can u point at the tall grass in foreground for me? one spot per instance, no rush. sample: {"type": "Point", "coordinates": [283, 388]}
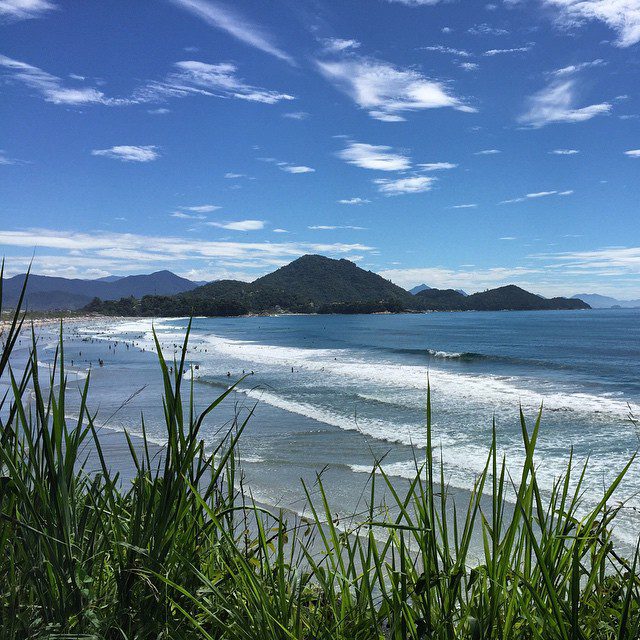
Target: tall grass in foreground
{"type": "Point", "coordinates": [181, 553]}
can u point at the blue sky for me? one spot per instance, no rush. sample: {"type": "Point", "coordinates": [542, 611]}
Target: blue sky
{"type": "Point", "coordinates": [458, 143]}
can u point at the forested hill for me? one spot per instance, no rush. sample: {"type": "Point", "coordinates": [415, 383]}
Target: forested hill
{"type": "Point", "coordinates": [508, 298]}
{"type": "Point", "coordinates": [316, 284]}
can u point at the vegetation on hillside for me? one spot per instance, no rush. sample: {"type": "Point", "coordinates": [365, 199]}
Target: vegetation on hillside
{"type": "Point", "coordinates": [181, 552]}
{"type": "Point", "coordinates": [316, 284]}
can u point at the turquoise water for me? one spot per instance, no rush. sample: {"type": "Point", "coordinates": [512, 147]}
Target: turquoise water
{"type": "Point", "coordinates": [341, 390]}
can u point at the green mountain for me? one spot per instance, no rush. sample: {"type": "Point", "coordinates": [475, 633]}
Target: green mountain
{"type": "Point", "coordinates": [316, 284]}
{"type": "Point", "coordinates": [508, 298]}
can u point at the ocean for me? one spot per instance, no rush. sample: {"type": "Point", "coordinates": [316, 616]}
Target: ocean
{"type": "Point", "coordinates": [334, 393]}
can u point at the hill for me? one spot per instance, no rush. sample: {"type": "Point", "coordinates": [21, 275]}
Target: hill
{"type": "Point", "coordinates": [45, 293]}
{"type": "Point", "coordinates": [316, 284]}
{"type": "Point", "coordinates": [508, 298]}
{"type": "Point", "coordinates": [310, 284]}
{"type": "Point", "coordinates": [316, 281]}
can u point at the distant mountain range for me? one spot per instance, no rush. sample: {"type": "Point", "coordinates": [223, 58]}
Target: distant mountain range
{"type": "Point", "coordinates": [418, 288]}
{"type": "Point", "coordinates": [316, 284]}
{"type": "Point", "coordinates": [45, 293]}
{"type": "Point", "coordinates": [423, 287]}
{"type": "Point", "coordinates": [596, 301]}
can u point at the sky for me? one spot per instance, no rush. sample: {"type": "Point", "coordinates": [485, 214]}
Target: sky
{"type": "Point", "coordinates": [459, 143]}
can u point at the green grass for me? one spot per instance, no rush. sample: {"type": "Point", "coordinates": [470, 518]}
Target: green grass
{"type": "Point", "coordinates": [181, 552]}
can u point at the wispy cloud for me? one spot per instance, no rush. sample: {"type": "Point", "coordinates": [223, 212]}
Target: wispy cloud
{"type": "Point", "coordinates": [395, 187]}
{"type": "Point", "coordinates": [296, 115]}
{"type": "Point", "coordinates": [336, 45]}
{"type": "Point", "coordinates": [239, 225]}
{"type": "Point", "coordinates": [555, 103]}
{"type": "Point", "coordinates": [633, 153]}
{"type": "Point", "coordinates": [295, 168]}
{"type": "Point", "coordinates": [333, 227]}
{"type": "Point", "coordinates": [564, 152]}
{"type": "Point", "coordinates": [538, 194]}
{"type": "Point", "coordinates": [487, 152]}
{"type": "Point", "coordinates": [437, 166]}
{"type": "Point", "coordinates": [202, 208]}
{"type": "Point", "coordinates": [485, 29]}
{"type": "Point", "coordinates": [7, 160]}
{"type": "Point", "coordinates": [416, 3]}
{"type": "Point", "coordinates": [224, 18]}
{"type": "Point", "coordinates": [51, 87]}
{"type": "Point", "coordinates": [130, 252]}
{"type": "Point", "coordinates": [575, 68]}
{"type": "Point", "coordinates": [469, 66]}
{"type": "Point", "coordinates": [462, 53]}
{"type": "Point", "coordinates": [354, 201]}
{"type": "Point", "coordinates": [386, 91]}
{"type": "Point", "coordinates": [464, 206]}
{"type": "Point", "coordinates": [500, 52]}
{"type": "Point", "coordinates": [192, 77]}
{"type": "Point", "coordinates": [377, 157]}
{"type": "Point", "coordinates": [187, 216]}
{"type": "Point", "coordinates": [623, 16]}
{"type": "Point", "coordinates": [25, 9]}
{"type": "Point", "coordinates": [129, 153]}
{"type": "Point", "coordinates": [189, 77]}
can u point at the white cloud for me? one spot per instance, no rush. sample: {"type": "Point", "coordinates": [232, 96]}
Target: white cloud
{"type": "Point", "coordinates": [485, 29]}
{"type": "Point", "coordinates": [469, 66]}
{"type": "Point", "coordinates": [377, 157]}
{"type": "Point", "coordinates": [416, 3]}
{"type": "Point", "coordinates": [296, 115]}
{"type": "Point", "coordinates": [615, 260]}
{"type": "Point", "coordinates": [25, 9]}
{"type": "Point", "coordinates": [6, 160]}
{"type": "Point", "coordinates": [202, 208]}
{"type": "Point", "coordinates": [464, 206]}
{"type": "Point", "coordinates": [386, 91]}
{"type": "Point", "coordinates": [564, 152]}
{"type": "Point", "coordinates": [487, 152]}
{"type": "Point", "coordinates": [232, 176]}
{"type": "Point", "coordinates": [633, 153]}
{"type": "Point", "coordinates": [354, 201]}
{"type": "Point", "coordinates": [192, 77]}
{"type": "Point", "coordinates": [292, 168]}
{"type": "Point", "coordinates": [499, 52]}
{"type": "Point", "coordinates": [189, 77]}
{"type": "Point", "coordinates": [330, 227]}
{"type": "Point", "coordinates": [187, 216]}
{"type": "Point", "coordinates": [129, 252]}
{"type": "Point", "coordinates": [469, 280]}
{"type": "Point", "coordinates": [223, 18]}
{"type": "Point", "coordinates": [538, 194]}
{"type": "Point", "coordinates": [437, 166]}
{"type": "Point", "coordinates": [159, 112]}
{"type": "Point", "coordinates": [129, 153]}
{"type": "Point", "coordinates": [336, 45]}
{"type": "Point", "coordinates": [554, 104]}
{"type": "Point", "coordinates": [623, 16]}
{"type": "Point", "coordinates": [575, 68]}
{"type": "Point", "coordinates": [239, 225]}
{"type": "Point", "coordinates": [280, 231]}
{"type": "Point", "coordinates": [50, 86]}
{"type": "Point", "coordinates": [450, 50]}
{"type": "Point", "coordinates": [415, 184]}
